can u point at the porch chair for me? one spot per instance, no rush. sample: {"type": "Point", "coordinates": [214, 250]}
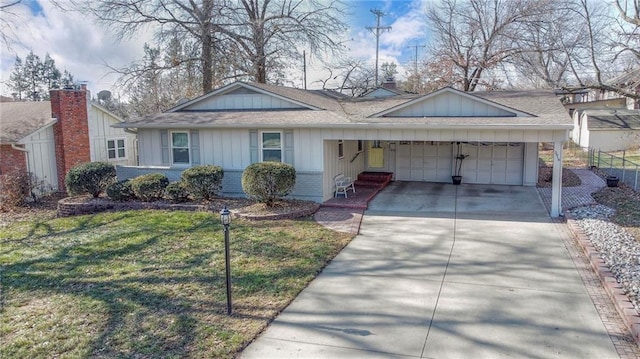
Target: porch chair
{"type": "Point", "coordinates": [343, 184]}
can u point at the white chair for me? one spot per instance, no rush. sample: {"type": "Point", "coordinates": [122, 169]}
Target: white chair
{"type": "Point", "coordinates": [343, 184]}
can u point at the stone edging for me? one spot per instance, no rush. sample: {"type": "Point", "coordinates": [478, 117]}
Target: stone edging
{"type": "Point", "coordinates": [311, 209]}
{"type": "Point", "coordinates": [620, 300]}
{"type": "Point", "coordinates": [70, 206]}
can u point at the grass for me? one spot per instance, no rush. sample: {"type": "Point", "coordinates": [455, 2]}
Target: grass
{"type": "Point", "coordinates": [146, 284]}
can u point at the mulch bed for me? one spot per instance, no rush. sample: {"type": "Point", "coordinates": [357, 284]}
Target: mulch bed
{"type": "Point", "coordinates": [569, 179]}
{"type": "Point", "coordinates": [240, 207]}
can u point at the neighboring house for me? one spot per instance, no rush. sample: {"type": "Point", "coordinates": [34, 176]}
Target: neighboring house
{"type": "Point", "coordinates": [382, 92]}
{"type": "Point", "coordinates": [414, 137]}
{"type": "Point", "coordinates": [606, 129]}
{"type": "Point", "coordinates": [47, 138]}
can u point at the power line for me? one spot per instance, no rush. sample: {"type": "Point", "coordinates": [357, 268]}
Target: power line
{"type": "Point", "coordinates": [378, 31]}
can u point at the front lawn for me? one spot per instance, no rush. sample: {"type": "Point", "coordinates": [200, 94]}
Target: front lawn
{"type": "Point", "coordinates": [147, 284]}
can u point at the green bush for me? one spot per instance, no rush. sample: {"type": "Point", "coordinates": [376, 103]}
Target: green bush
{"type": "Point", "coordinates": [203, 182]}
{"type": "Point", "coordinates": [176, 192]}
{"type": "Point", "coordinates": [267, 181]}
{"type": "Point", "coordinates": [90, 177]}
{"type": "Point", "coordinates": [121, 191]}
{"type": "Point", "coordinates": [150, 187]}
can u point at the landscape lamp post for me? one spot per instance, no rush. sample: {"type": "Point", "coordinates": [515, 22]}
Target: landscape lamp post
{"type": "Point", "coordinates": [225, 219]}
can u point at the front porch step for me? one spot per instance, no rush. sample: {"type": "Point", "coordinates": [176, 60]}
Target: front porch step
{"type": "Point", "coordinates": [373, 179]}
{"type": "Point", "coordinates": [370, 184]}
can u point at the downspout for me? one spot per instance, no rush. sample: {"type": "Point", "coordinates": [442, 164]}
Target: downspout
{"type": "Point", "coordinates": [26, 160]}
{"type": "Point", "coordinates": [26, 154]}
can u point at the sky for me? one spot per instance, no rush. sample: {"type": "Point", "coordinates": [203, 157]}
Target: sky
{"type": "Point", "coordinates": [87, 50]}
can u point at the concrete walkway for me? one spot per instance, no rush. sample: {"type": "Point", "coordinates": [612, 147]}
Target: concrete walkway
{"type": "Point", "coordinates": [457, 272]}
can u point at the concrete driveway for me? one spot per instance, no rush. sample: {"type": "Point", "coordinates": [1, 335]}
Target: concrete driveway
{"type": "Point", "coordinates": [443, 271]}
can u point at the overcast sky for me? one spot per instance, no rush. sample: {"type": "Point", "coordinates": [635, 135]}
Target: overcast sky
{"type": "Point", "coordinates": [82, 47]}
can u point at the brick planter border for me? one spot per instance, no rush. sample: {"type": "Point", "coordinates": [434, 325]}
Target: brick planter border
{"type": "Point", "coordinates": [621, 301]}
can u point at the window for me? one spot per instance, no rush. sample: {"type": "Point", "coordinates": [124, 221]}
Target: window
{"type": "Point", "coordinates": [360, 145]}
{"type": "Point", "coordinates": [116, 149]}
{"type": "Point", "coordinates": [180, 148]}
{"type": "Point", "coordinates": [271, 146]}
{"type": "Point", "coordinates": [340, 148]}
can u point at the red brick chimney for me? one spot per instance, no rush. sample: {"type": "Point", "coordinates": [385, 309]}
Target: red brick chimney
{"type": "Point", "coordinates": [71, 132]}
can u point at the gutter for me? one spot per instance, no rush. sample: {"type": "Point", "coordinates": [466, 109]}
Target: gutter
{"type": "Point", "coordinates": [353, 126]}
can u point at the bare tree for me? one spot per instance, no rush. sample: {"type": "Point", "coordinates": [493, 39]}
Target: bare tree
{"type": "Point", "coordinates": [349, 76]}
{"type": "Point", "coordinates": [474, 36]}
{"type": "Point", "coordinates": [551, 42]}
{"type": "Point", "coordinates": [266, 31]}
{"type": "Point", "coordinates": [9, 16]}
{"type": "Point", "coordinates": [190, 20]}
{"type": "Point", "coordinates": [235, 38]}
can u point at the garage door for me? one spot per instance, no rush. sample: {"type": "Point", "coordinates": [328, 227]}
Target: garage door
{"type": "Point", "coordinates": [488, 162]}
{"type": "Point", "coordinates": [424, 161]}
{"type": "Point", "coordinates": [493, 163]}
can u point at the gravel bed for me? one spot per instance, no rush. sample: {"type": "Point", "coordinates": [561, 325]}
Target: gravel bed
{"type": "Point", "coordinates": [619, 249]}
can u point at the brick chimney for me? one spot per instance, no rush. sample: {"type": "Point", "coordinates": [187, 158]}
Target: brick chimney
{"type": "Point", "coordinates": [389, 83]}
{"type": "Point", "coordinates": [71, 132]}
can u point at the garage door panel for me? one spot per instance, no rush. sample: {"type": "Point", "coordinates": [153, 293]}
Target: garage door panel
{"type": "Point", "coordinates": [488, 163]}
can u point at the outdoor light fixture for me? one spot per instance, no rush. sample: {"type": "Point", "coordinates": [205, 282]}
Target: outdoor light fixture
{"type": "Point", "coordinates": [225, 219]}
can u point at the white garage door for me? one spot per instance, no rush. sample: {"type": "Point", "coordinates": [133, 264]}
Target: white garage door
{"type": "Point", "coordinates": [493, 163]}
{"type": "Point", "coordinates": [488, 163]}
{"type": "Point", "coordinates": [424, 161]}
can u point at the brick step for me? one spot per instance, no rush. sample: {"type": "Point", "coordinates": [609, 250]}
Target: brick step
{"type": "Point", "coordinates": [375, 176]}
{"type": "Point", "coordinates": [370, 184]}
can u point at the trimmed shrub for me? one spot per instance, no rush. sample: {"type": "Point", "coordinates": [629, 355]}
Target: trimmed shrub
{"type": "Point", "coordinates": [121, 191]}
{"type": "Point", "coordinates": [267, 181]}
{"type": "Point", "coordinates": [150, 187]}
{"type": "Point", "coordinates": [203, 182]}
{"type": "Point", "coordinates": [90, 177]}
{"type": "Point", "coordinates": [176, 192]}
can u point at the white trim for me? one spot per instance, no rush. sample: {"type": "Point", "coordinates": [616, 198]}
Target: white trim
{"type": "Point", "coordinates": [517, 113]}
{"type": "Point", "coordinates": [233, 86]}
{"type": "Point", "coordinates": [171, 147]}
{"type": "Point", "coordinates": [116, 148]}
{"type": "Point", "coordinates": [261, 143]}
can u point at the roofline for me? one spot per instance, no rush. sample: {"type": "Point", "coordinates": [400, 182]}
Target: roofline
{"type": "Point", "coordinates": [358, 125]}
{"type": "Point", "coordinates": [451, 89]}
{"type": "Point", "coordinates": [232, 85]}
{"type": "Point", "coordinates": [52, 121]}
{"type": "Point", "coordinates": [104, 109]}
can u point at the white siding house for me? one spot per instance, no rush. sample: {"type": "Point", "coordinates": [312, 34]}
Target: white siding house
{"type": "Point", "coordinates": [607, 129]}
{"type": "Point", "coordinates": [413, 137]}
{"type": "Point", "coordinates": [29, 140]}
{"type": "Point", "coordinates": [110, 144]}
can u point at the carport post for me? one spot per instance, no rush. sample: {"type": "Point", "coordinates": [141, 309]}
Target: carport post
{"type": "Point", "coordinates": [556, 180]}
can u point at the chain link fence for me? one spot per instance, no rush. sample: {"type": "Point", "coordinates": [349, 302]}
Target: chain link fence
{"type": "Point", "coordinates": [614, 165]}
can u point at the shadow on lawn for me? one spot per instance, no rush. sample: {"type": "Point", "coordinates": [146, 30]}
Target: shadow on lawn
{"type": "Point", "coordinates": [146, 318]}
{"type": "Point", "coordinates": [162, 281]}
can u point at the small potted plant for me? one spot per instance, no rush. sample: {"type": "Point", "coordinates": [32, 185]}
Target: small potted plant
{"type": "Point", "coordinates": [612, 181]}
{"type": "Point", "coordinates": [457, 177]}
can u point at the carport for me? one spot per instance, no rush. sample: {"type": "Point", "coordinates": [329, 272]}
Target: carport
{"type": "Point", "coordinates": [418, 140]}
{"type": "Point", "coordinates": [442, 271]}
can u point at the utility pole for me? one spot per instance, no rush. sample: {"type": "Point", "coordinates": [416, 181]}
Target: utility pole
{"type": "Point", "coordinates": [304, 68]}
{"type": "Point", "coordinates": [378, 30]}
{"type": "Point", "coordinates": [415, 64]}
